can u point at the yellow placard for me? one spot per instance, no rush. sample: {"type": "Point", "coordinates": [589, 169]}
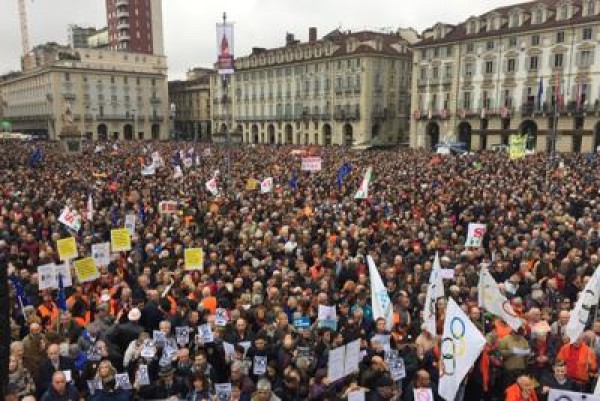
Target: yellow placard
{"type": "Point", "coordinates": [517, 146]}
{"type": "Point", "coordinates": [251, 184]}
{"type": "Point", "coordinates": [194, 259]}
{"type": "Point", "coordinates": [67, 248]}
{"type": "Point", "coordinates": [86, 270]}
{"type": "Point", "coordinates": [120, 240]}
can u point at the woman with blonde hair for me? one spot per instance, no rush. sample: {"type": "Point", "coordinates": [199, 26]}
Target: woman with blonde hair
{"type": "Point", "coordinates": [105, 376]}
{"type": "Point", "coordinates": [19, 377]}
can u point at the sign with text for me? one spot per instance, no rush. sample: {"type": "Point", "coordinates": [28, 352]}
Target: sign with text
{"type": "Point", "coordinates": [311, 164]}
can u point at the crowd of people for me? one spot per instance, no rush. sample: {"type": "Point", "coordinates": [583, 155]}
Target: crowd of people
{"type": "Point", "coordinates": [148, 329]}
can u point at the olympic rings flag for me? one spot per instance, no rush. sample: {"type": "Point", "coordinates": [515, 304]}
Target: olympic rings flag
{"type": "Point", "coordinates": [461, 345]}
{"type": "Point", "coordinates": [435, 291]}
{"type": "Point", "coordinates": [380, 299]}
{"type": "Point", "coordinates": [581, 312]}
{"type": "Point", "coordinates": [494, 301]}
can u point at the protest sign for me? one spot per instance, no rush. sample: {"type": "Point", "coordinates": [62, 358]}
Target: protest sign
{"type": "Point", "coordinates": [67, 248]}
{"type": "Point", "coordinates": [86, 270]}
{"type": "Point", "coordinates": [130, 223]}
{"type": "Point", "coordinates": [70, 219]}
{"type": "Point", "coordinates": [312, 164]}
{"type": "Point", "coordinates": [120, 240]}
{"type": "Point", "coordinates": [101, 254]}
{"type": "Point", "coordinates": [168, 207]}
{"type": "Point", "coordinates": [475, 235]}
{"type": "Point", "coordinates": [193, 258]}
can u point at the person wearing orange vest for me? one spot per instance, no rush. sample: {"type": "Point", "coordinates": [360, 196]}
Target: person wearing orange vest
{"type": "Point", "coordinates": [522, 390]}
{"type": "Point", "coordinates": [208, 301]}
{"type": "Point", "coordinates": [581, 363]}
{"type": "Point", "coordinates": [48, 311]}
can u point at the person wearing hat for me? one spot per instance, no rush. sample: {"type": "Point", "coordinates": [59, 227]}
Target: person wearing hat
{"type": "Point", "coordinates": [166, 386]}
{"type": "Point", "coordinates": [121, 335]}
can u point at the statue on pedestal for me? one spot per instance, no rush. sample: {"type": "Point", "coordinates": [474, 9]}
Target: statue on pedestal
{"type": "Point", "coordinates": [69, 134]}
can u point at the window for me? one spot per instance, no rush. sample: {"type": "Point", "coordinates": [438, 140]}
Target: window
{"type": "Point", "coordinates": [511, 65]}
{"type": "Point", "coordinates": [467, 100]}
{"type": "Point", "coordinates": [558, 60]}
{"type": "Point", "coordinates": [470, 47]}
{"type": "Point", "coordinates": [67, 76]}
{"type": "Point", "coordinates": [560, 37]}
{"type": "Point", "coordinates": [512, 42]}
{"type": "Point", "coordinates": [533, 63]}
{"type": "Point", "coordinates": [589, 8]}
{"type": "Point", "coordinates": [448, 71]}
{"type": "Point", "coordinates": [473, 27]}
{"type": "Point", "coordinates": [435, 74]}
{"type": "Point", "coordinates": [423, 54]}
{"type": "Point", "coordinates": [514, 20]}
{"type": "Point", "coordinates": [538, 16]}
{"type": "Point", "coordinates": [564, 12]}
{"type": "Point", "coordinates": [586, 58]}
{"type": "Point", "coordinates": [489, 45]}
{"type": "Point", "coordinates": [423, 73]}
{"type": "Point", "coordinates": [436, 52]}
{"type": "Point", "coordinates": [449, 51]}
{"type": "Point", "coordinates": [469, 69]}
{"type": "Point", "coordinates": [535, 40]}
{"type": "Point", "coordinates": [489, 67]}
{"type": "Point", "coordinates": [587, 34]}
{"type": "Point", "coordinates": [487, 102]}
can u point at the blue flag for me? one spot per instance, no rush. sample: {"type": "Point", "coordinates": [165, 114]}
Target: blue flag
{"type": "Point", "coordinates": [20, 291]}
{"type": "Point", "coordinates": [36, 158]}
{"type": "Point", "coordinates": [61, 299]}
{"type": "Point", "coordinates": [114, 216]}
{"type": "Point", "coordinates": [540, 93]}
{"type": "Point", "coordinates": [342, 173]}
{"type": "Point", "coordinates": [294, 182]}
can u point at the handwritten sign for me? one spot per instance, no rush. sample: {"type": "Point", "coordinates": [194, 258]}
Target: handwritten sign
{"type": "Point", "coordinates": [86, 270]}
{"type": "Point", "coordinates": [168, 207]}
{"type": "Point", "coordinates": [475, 235]}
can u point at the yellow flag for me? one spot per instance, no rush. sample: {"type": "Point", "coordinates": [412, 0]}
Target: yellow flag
{"type": "Point", "coordinates": [194, 259]}
{"type": "Point", "coordinates": [120, 240]}
{"type": "Point", "coordinates": [67, 248]}
{"type": "Point", "coordinates": [86, 270]}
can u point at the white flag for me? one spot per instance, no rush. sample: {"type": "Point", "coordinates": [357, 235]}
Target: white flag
{"type": "Point", "coordinates": [149, 170]}
{"type": "Point", "coordinates": [581, 312]}
{"type": "Point", "coordinates": [435, 290]}
{"type": "Point", "coordinates": [90, 208]}
{"type": "Point", "coordinates": [380, 300]}
{"type": "Point", "coordinates": [266, 185]}
{"type": "Point", "coordinates": [363, 191]}
{"type": "Point", "coordinates": [177, 173]}
{"type": "Point", "coordinates": [461, 345]}
{"type": "Point", "coordinates": [70, 218]}
{"type": "Point", "coordinates": [211, 186]}
{"type": "Point", "coordinates": [494, 301]}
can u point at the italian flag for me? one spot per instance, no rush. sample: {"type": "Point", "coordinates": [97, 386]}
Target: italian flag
{"type": "Point", "coordinates": [363, 191]}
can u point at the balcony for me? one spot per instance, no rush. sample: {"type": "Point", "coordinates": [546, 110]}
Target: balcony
{"type": "Point", "coordinates": [123, 25]}
{"type": "Point", "coordinates": [122, 3]}
{"type": "Point", "coordinates": [123, 13]}
{"type": "Point", "coordinates": [69, 96]}
{"type": "Point", "coordinates": [124, 37]}
{"type": "Point", "coordinates": [156, 118]}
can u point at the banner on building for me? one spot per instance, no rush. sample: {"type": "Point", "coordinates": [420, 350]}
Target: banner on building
{"type": "Point", "coordinates": [225, 48]}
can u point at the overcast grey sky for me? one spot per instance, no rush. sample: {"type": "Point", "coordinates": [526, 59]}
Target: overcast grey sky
{"type": "Point", "coordinates": [189, 25]}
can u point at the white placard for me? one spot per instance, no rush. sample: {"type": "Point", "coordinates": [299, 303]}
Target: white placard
{"type": "Point", "coordinates": [223, 391]}
{"type": "Point", "coordinates": [122, 381]}
{"type": "Point", "coordinates": [130, 223]}
{"type": "Point", "coordinates": [352, 357]}
{"type": "Point", "coordinates": [229, 349]}
{"type": "Point", "coordinates": [259, 367]}
{"type": "Point", "coordinates": [447, 274]}
{"type": "Point", "coordinates": [183, 335]}
{"type": "Point", "coordinates": [221, 317]}
{"type": "Point", "coordinates": [311, 164]}
{"type": "Point", "coordinates": [423, 394]}
{"type": "Point", "coordinates": [68, 375]}
{"type": "Point", "coordinates": [48, 276]}
{"type": "Point", "coordinates": [335, 364]}
{"type": "Point", "coordinates": [206, 334]}
{"type": "Point", "coordinates": [358, 395]}
{"type": "Point", "coordinates": [142, 376]}
{"type": "Point", "coordinates": [101, 254]}
{"type": "Point", "coordinates": [475, 235]}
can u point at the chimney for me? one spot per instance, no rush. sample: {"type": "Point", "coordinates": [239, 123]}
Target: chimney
{"type": "Point", "coordinates": [289, 39]}
{"type": "Point", "coordinates": [312, 34]}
